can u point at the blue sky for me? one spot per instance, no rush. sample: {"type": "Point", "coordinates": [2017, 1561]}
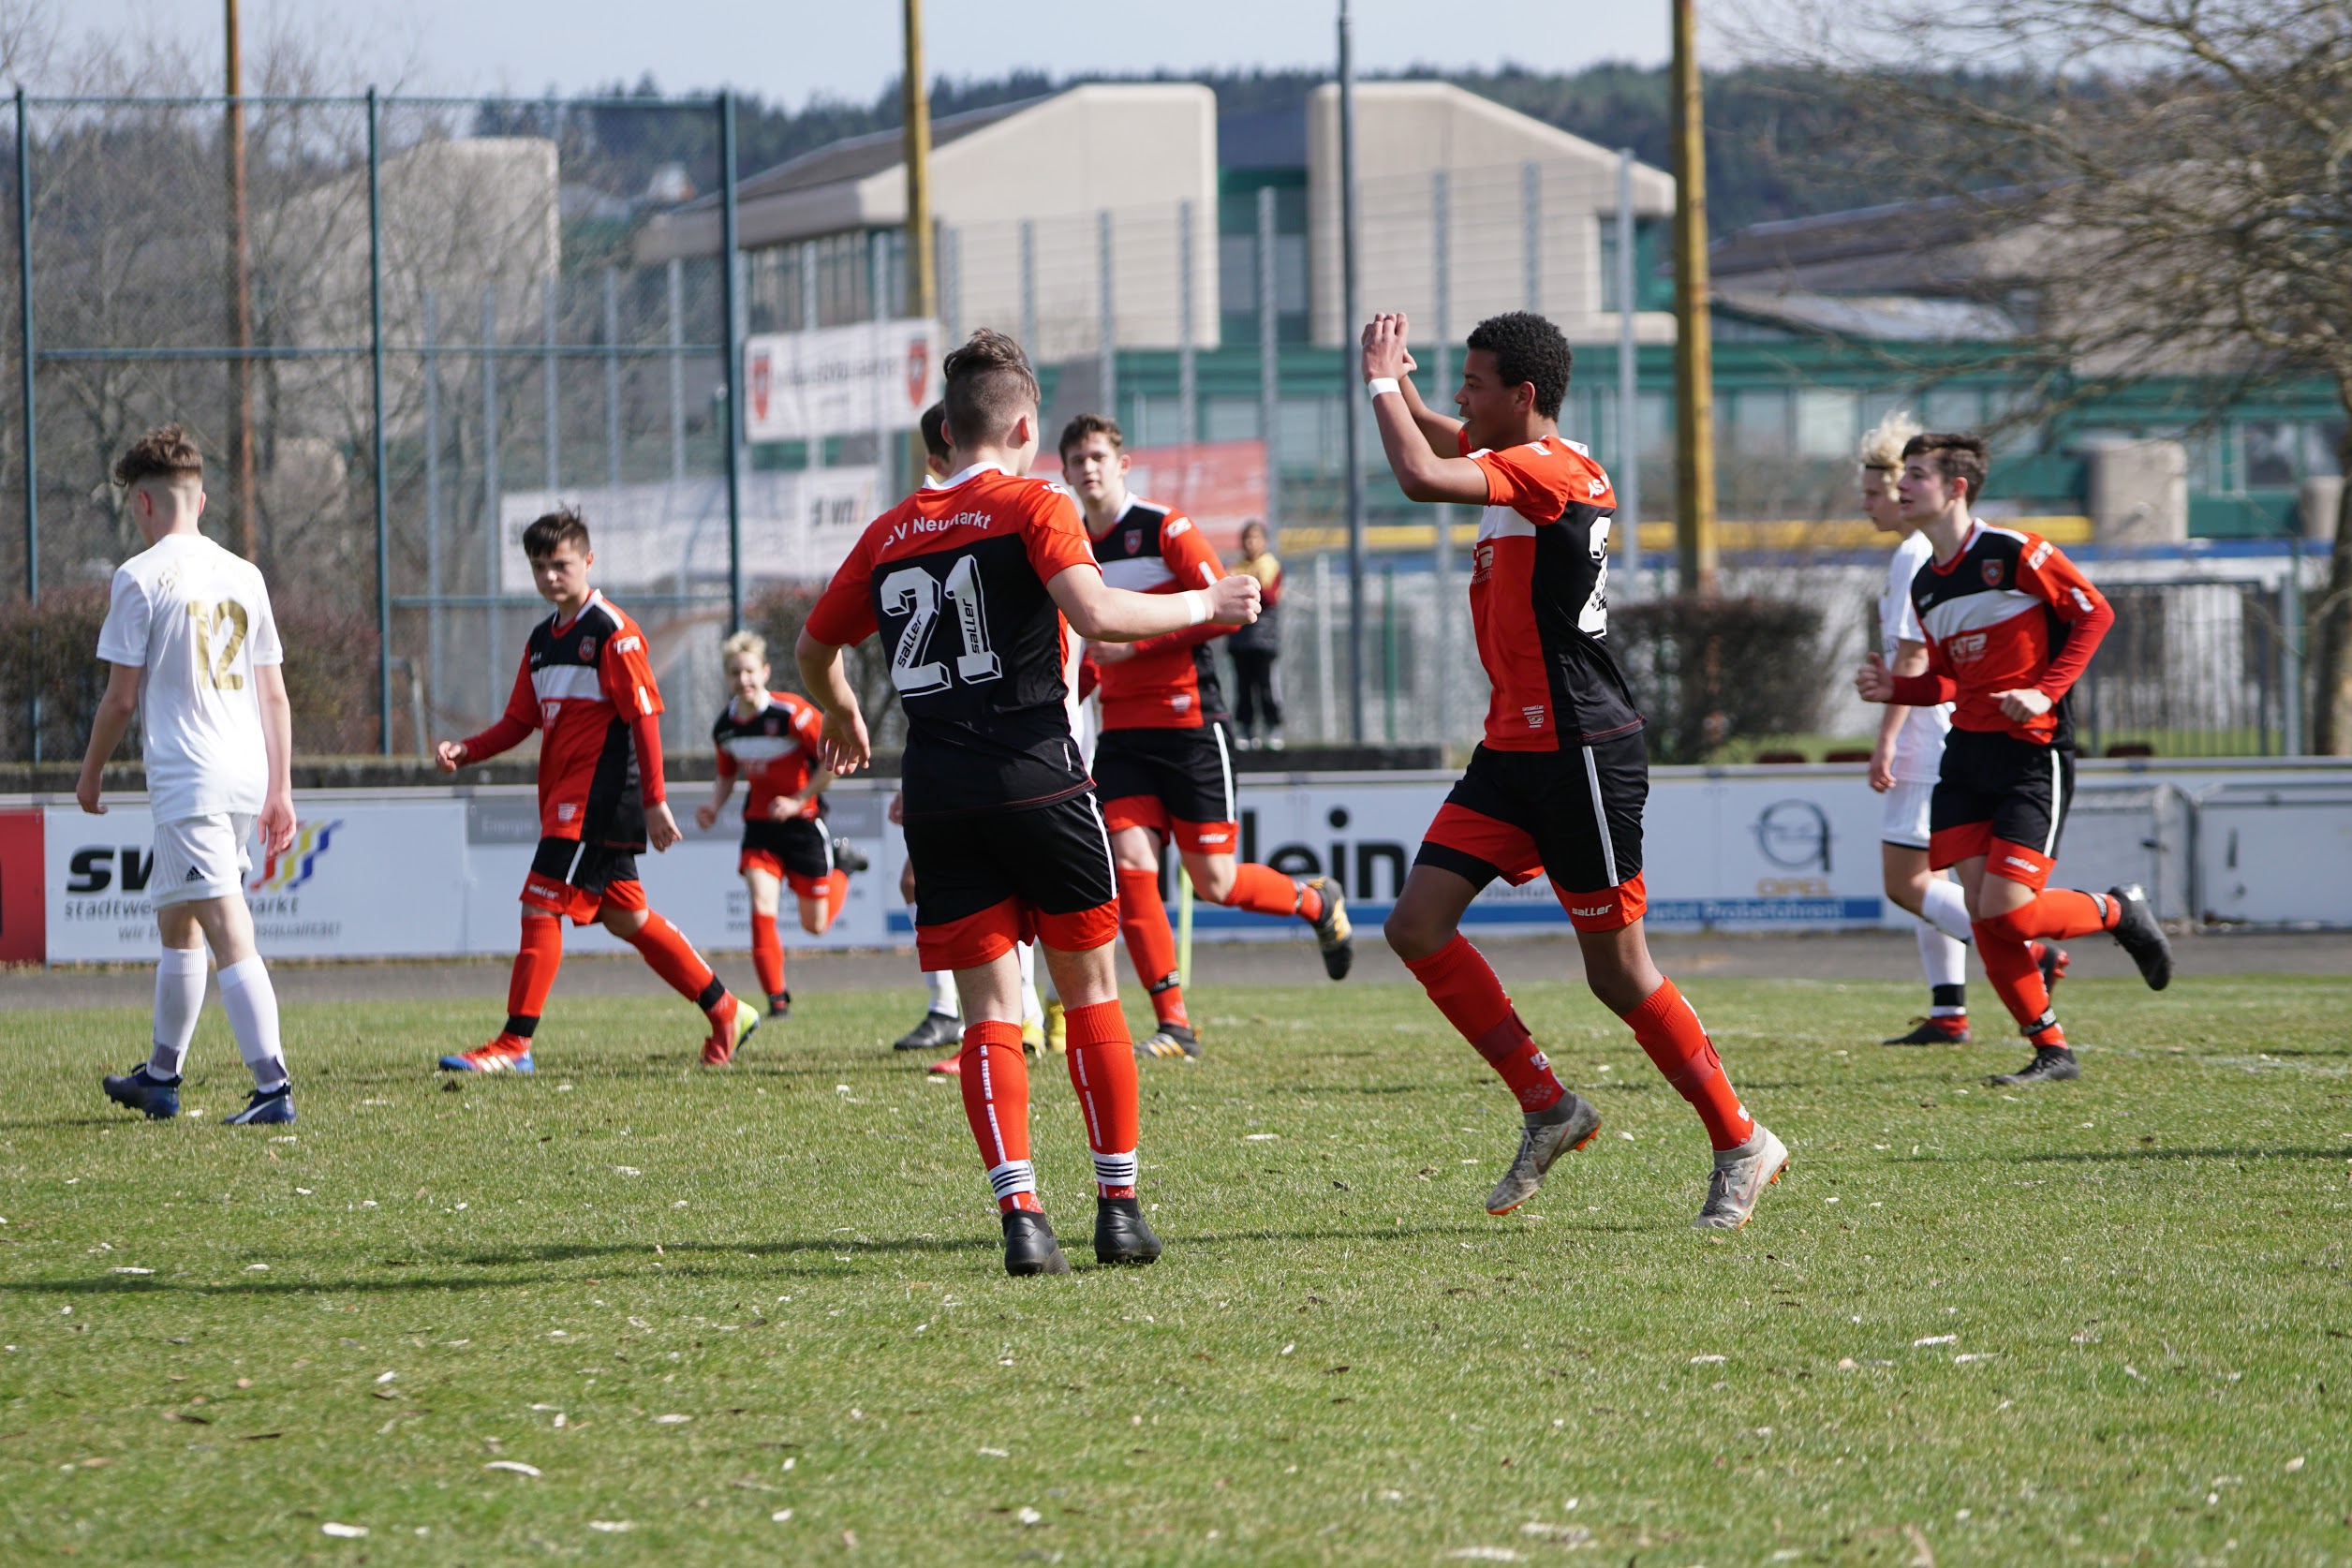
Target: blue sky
{"type": "Point", "coordinates": [789, 50]}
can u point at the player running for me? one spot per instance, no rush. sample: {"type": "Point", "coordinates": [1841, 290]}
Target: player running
{"type": "Point", "coordinates": [2010, 625]}
{"type": "Point", "coordinates": [587, 682]}
{"type": "Point", "coordinates": [1163, 766]}
{"type": "Point", "coordinates": [769, 738]}
{"type": "Point", "coordinates": [1558, 782]}
{"type": "Point", "coordinates": [192, 652]}
{"type": "Point", "coordinates": [968, 584]}
{"type": "Point", "coordinates": [1904, 763]}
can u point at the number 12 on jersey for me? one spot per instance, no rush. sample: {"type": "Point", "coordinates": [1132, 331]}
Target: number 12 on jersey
{"type": "Point", "coordinates": [914, 593]}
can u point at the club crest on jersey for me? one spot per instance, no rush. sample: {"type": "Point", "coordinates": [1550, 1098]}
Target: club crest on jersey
{"type": "Point", "coordinates": [1992, 574]}
{"type": "Point", "coordinates": [587, 647]}
{"type": "Point", "coordinates": [1134, 541]}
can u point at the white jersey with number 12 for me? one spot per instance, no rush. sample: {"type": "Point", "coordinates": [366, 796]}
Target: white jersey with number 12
{"type": "Point", "coordinates": [194, 620]}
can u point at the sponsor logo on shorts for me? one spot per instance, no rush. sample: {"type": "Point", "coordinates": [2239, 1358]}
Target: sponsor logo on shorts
{"type": "Point", "coordinates": [1594, 912]}
{"type": "Point", "coordinates": [2020, 863]}
{"type": "Point", "coordinates": [537, 889]}
{"type": "Point", "coordinates": [1216, 837]}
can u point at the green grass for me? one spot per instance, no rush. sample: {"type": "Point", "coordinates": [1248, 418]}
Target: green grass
{"type": "Point", "coordinates": [1340, 1360]}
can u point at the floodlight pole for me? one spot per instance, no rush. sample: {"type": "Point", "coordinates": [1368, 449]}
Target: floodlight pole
{"type": "Point", "coordinates": [241, 293]}
{"type": "Point", "coordinates": [731, 313]}
{"type": "Point", "coordinates": [922, 286]}
{"type": "Point", "coordinates": [1693, 348]}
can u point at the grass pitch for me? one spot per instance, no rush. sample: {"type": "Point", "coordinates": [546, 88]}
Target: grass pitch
{"type": "Point", "coordinates": [759, 1315]}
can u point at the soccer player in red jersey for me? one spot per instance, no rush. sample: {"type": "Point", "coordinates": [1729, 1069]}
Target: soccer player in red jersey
{"type": "Point", "coordinates": [769, 738]}
{"type": "Point", "coordinates": [2011, 624]}
{"type": "Point", "coordinates": [1163, 767]}
{"type": "Point", "coordinates": [587, 686]}
{"type": "Point", "coordinates": [1558, 782]}
{"type": "Point", "coordinates": [974, 587]}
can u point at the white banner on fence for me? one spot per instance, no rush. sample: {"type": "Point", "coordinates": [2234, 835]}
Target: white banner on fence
{"type": "Point", "coordinates": [839, 381]}
{"type": "Point", "coordinates": [796, 524]}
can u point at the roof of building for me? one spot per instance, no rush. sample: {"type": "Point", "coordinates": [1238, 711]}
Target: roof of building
{"type": "Point", "coordinates": [859, 157]}
{"type": "Point", "coordinates": [1892, 229]}
{"type": "Point", "coordinates": [1888, 317]}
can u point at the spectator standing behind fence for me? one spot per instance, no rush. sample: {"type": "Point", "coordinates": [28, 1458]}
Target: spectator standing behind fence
{"type": "Point", "coordinates": [1255, 649]}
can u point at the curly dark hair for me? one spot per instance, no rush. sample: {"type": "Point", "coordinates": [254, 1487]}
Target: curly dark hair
{"type": "Point", "coordinates": [1526, 348]}
{"type": "Point", "coordinates": [546, 535]}
{"type": "Point", "coordinates": [168, 451]}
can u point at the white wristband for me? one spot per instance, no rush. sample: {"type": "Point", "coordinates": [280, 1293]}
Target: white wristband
{"type": "Point", "coordinates": [1380, 384]}
{"type": "Point", "coordinates": [1198, 605]}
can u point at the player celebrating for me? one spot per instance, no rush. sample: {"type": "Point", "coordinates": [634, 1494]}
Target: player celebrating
{"type": "Point", "coordinates": [1558, 782]}
{"type": "Point", "coordinates": [192, 651]}
{"type": "Point", "coordinates": [2010, 626]}
{"type": "Point", "coordinates": [770, 739]}
{"type": "Point", "coordinates": [587, 682]}
{"type": "Point", "coordinates": [968, 584]}
{"type": "Point", "coordinates": [1904, 763]}
{"type": "Point", "coordinates": [1163, 766]}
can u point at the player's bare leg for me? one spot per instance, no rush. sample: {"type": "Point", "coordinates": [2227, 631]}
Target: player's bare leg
{"type": "Point", "coordinates": [1425, 930]}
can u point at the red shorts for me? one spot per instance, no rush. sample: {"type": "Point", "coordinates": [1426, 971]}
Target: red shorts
{"type": "Point", "coordinates": [1151, 811]}
{"type": "Point", "coordinates": [984, 937]}
{"type": "Point", "coordinates": [582, 881]}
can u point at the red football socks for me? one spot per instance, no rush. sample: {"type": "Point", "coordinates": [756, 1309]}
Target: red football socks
{"type": "Point", "coordinates": [535, 961]}
{"type": "Point", "coordinates": [1143, 919]}
{"type": "Point", "coordinates": [1262, 890]}
{"type": "Point", "coordinates": [665, 948]}
{"type": "Point", "coordinates": [994, 1079]}
{"type": "Point", "coordinates": [767, 954]}
{"type": "Point", "coordinates": [1463, 985]}
{"type": "Point", "coordinates": [2058, 912]}
{"type": "Point", "coordinates": [1677, 1042]}
{"type": "Point", "coordinates": [2017, 979]}
{"type": "Point", "coordinates": [1102, 1062]}
{"type": "Point", "coordinates": [836, 895]}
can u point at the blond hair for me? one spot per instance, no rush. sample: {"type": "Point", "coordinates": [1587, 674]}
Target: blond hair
{"type": "Point", "coordinates": [1883, 443]}
{"type": "Point", "coordinates": [744, 644]}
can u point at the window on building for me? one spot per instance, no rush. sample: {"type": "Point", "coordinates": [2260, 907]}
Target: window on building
{"type": "Point", "coordinates": [1759, 422]}
{"type": "Point", "coordinates": [1230, 419]}
{"type": "Point", "coordinates": [2323, 443]}
{"type": "Point", "coordinates": [2274, 453]}
{"type": "Point", "coordinates": [1952, 408]}
{"type": "Point", "coordinates": [1828, 422]}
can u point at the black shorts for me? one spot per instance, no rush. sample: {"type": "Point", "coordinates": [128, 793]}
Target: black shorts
{"type": "Point", "coordinates": [1573, 815]}
{"type": "Point", "coordinates": [2003, 798]}
{"type": "Point", "coordinates": [797, 851]}
{"type": "Point", "coordinates": [1176, 782]}
{"type": "Point", "coordinates": [1057, 859]}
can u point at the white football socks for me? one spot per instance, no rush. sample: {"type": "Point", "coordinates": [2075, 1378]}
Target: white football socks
{"type": "Point", "coordinates": [179, 998]}
{"type": "Point", "coordinates": [1032, 1010]}
{"type": "Point", "coordinates": [1945, 907]}
{"type": "Point", "coordinates": [1944, 960]}
{"type": "Point", "coordinates": [251, 1002]}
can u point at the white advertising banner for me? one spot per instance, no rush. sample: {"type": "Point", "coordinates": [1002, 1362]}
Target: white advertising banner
{"type": "Point", "coordinates": [796, 524]}
{"type": "Point", "coordinates": [367, 878]}
{"type": "Point", "coordinates": [839, 381]}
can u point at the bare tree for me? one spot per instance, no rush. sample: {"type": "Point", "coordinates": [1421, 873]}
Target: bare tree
{"type": "Point", "coordinates": [2171, 197]}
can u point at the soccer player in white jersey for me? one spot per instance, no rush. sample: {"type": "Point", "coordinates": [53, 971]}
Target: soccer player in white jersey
{"type": "Point", "coordinates": [1905, 760]}
{"type": "Point", "coordinates": [192, 652]}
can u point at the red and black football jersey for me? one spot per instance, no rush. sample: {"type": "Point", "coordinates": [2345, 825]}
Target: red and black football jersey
{"type": "Point", "coordinates": [1538, 598]}
{"type": "Point", "coordinates": [775, 751]}
{"type": "Point", "coordinates": [1170, 681]}
{"type": "Point", "coordinates": [2010, 610]}
{"type": "Point", "coordinates": [953, 579]}
{"type": "Point", "coordinates": [584, 685]}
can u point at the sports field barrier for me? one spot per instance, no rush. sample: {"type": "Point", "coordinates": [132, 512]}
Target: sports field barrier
{"type": "Point", "coordinates": [434, 871]}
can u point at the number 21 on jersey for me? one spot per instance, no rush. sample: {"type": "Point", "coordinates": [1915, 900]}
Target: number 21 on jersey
{"type": "Point", "coordinates": [912, 592]}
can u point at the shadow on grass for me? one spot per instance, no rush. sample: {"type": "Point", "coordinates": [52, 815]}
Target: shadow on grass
{"type": "Point", "coordinates": [2103, 1156]}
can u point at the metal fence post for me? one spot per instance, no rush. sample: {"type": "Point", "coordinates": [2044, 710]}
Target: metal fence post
{"type": "Point", "coordinates": [432, 496]}
{"type": "Point", "coordinates": [376, 404]}
{"type": "Point", "coordinates": [1188, 381]}
{"type": "Point", "coordinates": [548, 301]}
{"type": "Point", "coordinates": [1108, 348]}
{"type": "Point", "coordinates": [678, 371]}
{"type": "Point", "coordinates": [492, 524]}
{"type": "Point", "coordinates": [2291, 651]}
{"type": "Point", "coordinates": [1531, 233]}
{"type": "Point", "coordinates": [1029, 287]}
{"type": "Point", "coordinates": [611, 380]}
{"type": "Point", "coordinates": [1351, 396]}
{"type": "Point", "coordinates": [1269, 364]}
{"type": "Point", "coordinates": [952, 285]}
{"type": "Point", "coordinates": [24, 346]}
{"type": "Point", "coordinates": [1440, 357]}
{"type": "Point", "coordinates": [1628, 468]}
{"type": "Point", "coordinates": [731, 337]}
